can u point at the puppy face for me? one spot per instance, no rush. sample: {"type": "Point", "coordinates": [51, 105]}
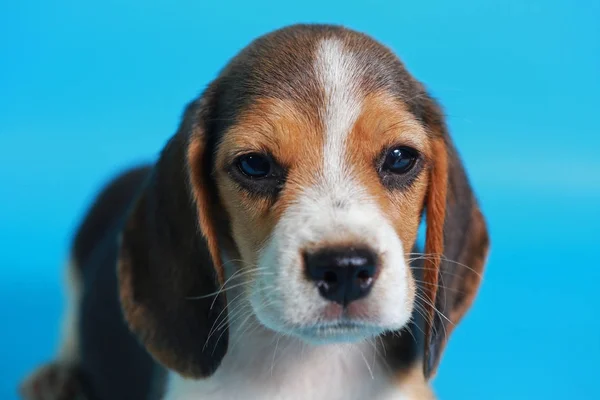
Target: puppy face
{"type": "Point", "coordinates": [321, 185]}
{"type": "Point", "coordinates": [311, 158]}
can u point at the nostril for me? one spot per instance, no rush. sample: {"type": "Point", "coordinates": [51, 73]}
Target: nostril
{"type": "Point", "coordinates": [364, 276]}
{"type": "Point", "coordinates": [330, 277]}
{"type": "Point", "coordinates": [329, 282]}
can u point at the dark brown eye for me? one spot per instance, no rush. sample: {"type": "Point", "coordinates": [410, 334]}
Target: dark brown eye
{"type": "Point", "coordinates": [400, 160]}
{"type": "Point", "coordinates": [258, 173]}
{"type": "Point", "coordinates": [254, 166]}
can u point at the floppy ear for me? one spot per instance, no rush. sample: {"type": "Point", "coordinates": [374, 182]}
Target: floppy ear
{"type": "Point", "coordinates": [456, 243]}
{"type": "Point", "coordinates": [169, 255]}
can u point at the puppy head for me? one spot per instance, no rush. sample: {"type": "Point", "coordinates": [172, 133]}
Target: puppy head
{"type": "Point", "coordinates": [311, 158]}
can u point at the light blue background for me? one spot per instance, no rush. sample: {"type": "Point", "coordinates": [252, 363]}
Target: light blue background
{"type": "Point", "coordinates": [88, 88]}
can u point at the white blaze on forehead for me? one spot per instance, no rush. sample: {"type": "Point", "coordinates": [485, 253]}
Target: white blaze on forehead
{"type": "Point", "coordinates": [338, 72]}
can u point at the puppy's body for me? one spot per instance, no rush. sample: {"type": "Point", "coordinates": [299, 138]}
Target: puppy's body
{"type": "Point", "coordinates": [268, 253]}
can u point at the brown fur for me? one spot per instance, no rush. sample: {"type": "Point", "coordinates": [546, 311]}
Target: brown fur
{"type": "Point", "coordinates": [436, 214]}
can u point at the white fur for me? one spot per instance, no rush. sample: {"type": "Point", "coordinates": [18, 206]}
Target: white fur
{"type": "Point", "coordinates": [295, 374]}
{"type": "Point", "coordinates": [338, 73]}
{"type": "Point", "coordinates": [262, 364]}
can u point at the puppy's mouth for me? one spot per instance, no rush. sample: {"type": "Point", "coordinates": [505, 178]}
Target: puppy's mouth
{"type": "Point", "coordinates": [340, 331]}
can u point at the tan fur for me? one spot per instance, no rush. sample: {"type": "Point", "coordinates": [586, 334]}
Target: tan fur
{"type": "Point", "coordinates": [414, 385]}
{"type": "Point", "coordinates": [385, 122]}
{"type": "Point", "coordinates": [285, 130]}
{"type": "Point", "coordinates": [436, 213]}
{"type": "Point", "coordinates": [202, 201]}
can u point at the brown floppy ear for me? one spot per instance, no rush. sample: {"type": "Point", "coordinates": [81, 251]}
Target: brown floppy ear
{"type": "Point", "coordinates": [456, 243]}
{"type": "Point", "coordinates": [169, 255]}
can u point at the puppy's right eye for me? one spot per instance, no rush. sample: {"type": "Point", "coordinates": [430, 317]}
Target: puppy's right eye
{"type": "Point", "coordinates": [400, 160]}
{"type": "Point", "coordinates": [258, 174]}
{"type": "Point", "coordinates": [399, 166]}
{"type": "Point", "coordinates": [254, 166]}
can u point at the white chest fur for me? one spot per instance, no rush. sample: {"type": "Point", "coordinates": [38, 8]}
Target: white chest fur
{"type": "Point", "coordinates": [265, 366]}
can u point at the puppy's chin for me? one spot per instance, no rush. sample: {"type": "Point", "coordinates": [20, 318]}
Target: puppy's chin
{"type": "Point", "coordinates": [319, 332]}
{"type": "Point", "coordinates": [340, 332]}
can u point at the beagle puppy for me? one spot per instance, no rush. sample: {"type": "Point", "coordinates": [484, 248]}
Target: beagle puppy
{"type": "Point", "coordinates": [270, 252]}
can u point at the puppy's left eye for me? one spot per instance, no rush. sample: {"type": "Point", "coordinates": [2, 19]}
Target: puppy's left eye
{"type": "Point", "coordinates": [254, 166]}
{"type": "Point", "coordinates": [400, 160]}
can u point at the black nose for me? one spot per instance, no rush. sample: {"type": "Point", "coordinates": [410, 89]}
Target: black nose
{"type": "Point", "coordinates": [342, 275]}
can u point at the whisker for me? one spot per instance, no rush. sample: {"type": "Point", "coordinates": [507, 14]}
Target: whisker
{"type": "Point", "coordinates": [382, 346]}
{"type": "Point", "coordinates": [275, 353]}
{"type": "Point", "coordinates": [444, 258]}
{"type": "Point", "coordinates": [237, 311]}
{"type": "Point", "coordinates": [432, 306]}
{"type": "Point", "coordinates": [249, 315]}
{"type": "Point", "coordinates": [237, 274]}
{"type": "Point", "coordinates": [423, 268]}
{"type": "Point", "coordinates": [242, 324]}
{"type": "Point", "coordinates": [230, 317]}
{"type": "Point", "coordinates": [419, 309]}
{"type": "Point", "coordinates": [254, 325]}
{"type": "Point", "coordinates": [439, 313]}
{"type": "Point", "coordinates": [365, 360]}
{"type": "Point", "coordinates": [215, 293]}
{"type": "Point", "coordinates": [377, 353]}
{"type": "Point", "coordinates": [226, 317]}
{"type": "Point", "coordinates": [409, 330]}
{"type": "Point", "coordinates": [443, 287]}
